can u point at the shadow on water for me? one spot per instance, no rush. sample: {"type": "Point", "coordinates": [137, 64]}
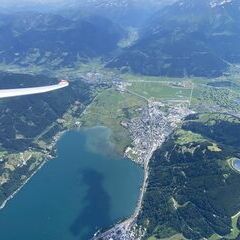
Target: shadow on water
{"type": "Point", "coordinates": [71, 197]}
{"type": "Point", "coordinates": [97, 211]}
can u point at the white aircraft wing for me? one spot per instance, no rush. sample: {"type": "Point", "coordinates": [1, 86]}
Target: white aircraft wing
{"type": "Point", "coordinates": [6, 93]}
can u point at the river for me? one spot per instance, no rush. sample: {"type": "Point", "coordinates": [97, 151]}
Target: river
{"type": "Point", "coordinates": [87, 187]}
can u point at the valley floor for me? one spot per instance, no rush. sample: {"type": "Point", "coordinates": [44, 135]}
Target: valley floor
{"type": "Point", "coordinates": [142, 113]}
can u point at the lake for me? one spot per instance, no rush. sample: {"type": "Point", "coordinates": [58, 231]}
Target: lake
{"type": "Point", "coordinates": [87, 187]}
{"type": "Point", "coordinates": [236, 164]}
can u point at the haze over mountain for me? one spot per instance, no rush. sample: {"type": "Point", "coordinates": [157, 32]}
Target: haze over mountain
{"type": "Point", "coordinates": [60, 32]}
{"type": "Point", "coordinates": [183, 129]}
{"type": "Point", "coordinates": [190, 37]}
{"type": "Point", "coordinates": [177, 38]}
{"type": "Point", "coordinates": [127, 12]}
{"type": "Point", "coordinates": [35, 38]}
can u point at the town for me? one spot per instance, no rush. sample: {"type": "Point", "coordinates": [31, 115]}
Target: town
{"type": "Point", "coordinates": [148, 131]}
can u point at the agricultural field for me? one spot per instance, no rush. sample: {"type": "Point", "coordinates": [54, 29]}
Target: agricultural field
{"type": "Point", "coordinates": [109, 109]}
{"type": "Point", "coordinates": [160, 91]}
{"type": "Point", "coordinates": [129, 77]}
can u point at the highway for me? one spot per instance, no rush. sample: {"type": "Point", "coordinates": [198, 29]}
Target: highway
{"type": "Point", "coordinates": [6, 93]}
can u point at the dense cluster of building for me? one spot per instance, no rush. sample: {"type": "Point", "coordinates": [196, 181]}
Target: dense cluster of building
{"type": "Point", "coordinates": [148, 131]}
{"type": "Point", "coordinates": [151, 128]}
{"type": "Point", "coordinates": [120, 232]}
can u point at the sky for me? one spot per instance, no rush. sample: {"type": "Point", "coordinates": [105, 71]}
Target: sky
{"type": "Point", "coordinates": [5, 2]}
{"type": "Point", "coordinates": [22, 4]}
{"type": "Point", "coordinates": [30, 1]}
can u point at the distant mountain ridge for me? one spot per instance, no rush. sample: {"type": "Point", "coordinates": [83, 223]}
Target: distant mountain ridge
{"type": "Point", "coordinates": [176, 37]}
{"type": "Point", "coordinates": [190, 37]}
{"type": "Point", "coordinates": [215, 3]}
{"type": "Point", "coordinates": [36, 38]}
{"type": "Point", "coordinates": [124, 12]}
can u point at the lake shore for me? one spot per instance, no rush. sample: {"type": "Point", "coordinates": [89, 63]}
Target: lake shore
{"type": "Point", "coordinates": [22, 185]}
{"type": "Point", "coordinates": [53, 144]}
{"type": "Point", "coordinates": [84, 174]}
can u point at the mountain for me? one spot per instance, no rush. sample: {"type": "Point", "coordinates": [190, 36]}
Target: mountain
{"type": "Point", "coordinates": [29, 125]}
{"type": "Point", "coordinates": [190, 37]}
{"type": "Point", "coordinates": [36, 38]}
{"type": "Point", "coordinates": [193, 189]}
{"type": "Point", "coordinates": [18, 117]}
{"type": "Point", "coordinates": [125, 12]}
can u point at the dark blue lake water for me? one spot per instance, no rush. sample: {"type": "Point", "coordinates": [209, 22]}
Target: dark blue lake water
{"type": "Point", "coordinates": [85, 188]}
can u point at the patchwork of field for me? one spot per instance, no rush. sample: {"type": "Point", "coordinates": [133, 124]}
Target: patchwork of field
{"type": "Point", "coordinates": [160, 91]}
{"type": "Point", "coordinates": [110, 108]}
